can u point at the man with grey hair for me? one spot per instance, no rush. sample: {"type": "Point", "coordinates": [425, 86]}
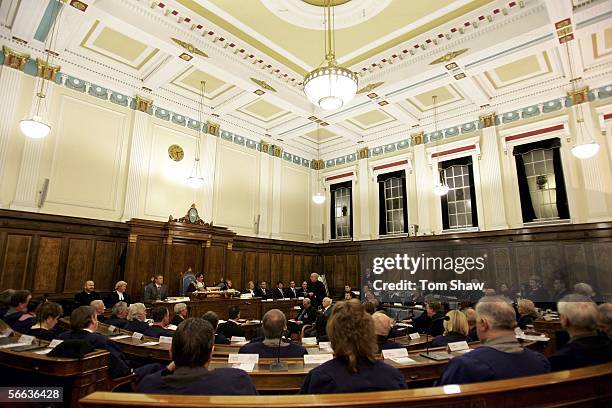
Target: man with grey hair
{"type": "Point", "coordinates": [586, 347]}
{"type": "Point", "coordinates": [274, 325]}
{"type": "Point", "coordinates": [119, 315]}
{"type": "Point", "coordinates": [98, 306]}
{"type": "Point", "coordinates": [500, 356]}
{"type": "Point", "coordinates": [316, 290]}
{"type": "Point", "coordinates": [180, 314]}
{"type": "Point", "coordinates": [470, 314]}
{"type": "Point", "coordinates": [584, 289]}
{"type": "Point", "coordinates": [604, 319]}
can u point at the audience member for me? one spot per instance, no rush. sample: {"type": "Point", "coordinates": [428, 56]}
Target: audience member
{"type": "Point", "coordinates": [354, 367]}
{"type": "Point", "coordinates": [19, 306]}
{"type": "Point", "coordinates": [504, 290]}
{"type": "Point", "coordinates": [161, 319]}
{"type": "Point", "coordinates": [500, 356]}
{"type": "Point", "coordinates": [382, 328]}
{"type": "Point", "coordinates": [87, 295]}
{"type": "Point", "coordinates": [559, 290]}
{"type": "Point", "coordinates": [536, 292]}
{"type": "Point", "coordinates": [292, 291]}
{"type": "Point", "coordinates": [26, 320]}
{"type": "Point", "coordinates": [322, 318]}
{"type": "Point", "coordinates": [274, 324]}
{"type": "Point", "coordinates": [604, 319]}
{"type": "Point", "coordinates": [213, 319]}
{"type": "Point", "coordinates": [586, 347]}
{"type": "Point", "coordinates": [279, 291]}
{"type": "Point", "coordinates": [348, 293]}
{"type": "Point", "coordinates": [307, 315]}
{"type": "Point", "coordinates": [47, 315]}
{"type": "Point", "coordinates": [470, 315]}
{"type": "Point", "coordinates": [119, 315]}
{"type": "Point", "coordinates": [137, 314]}
{"type": "Point", "coordinates": [584, 289]}
{"type": "Point", "coordinates": [5, 301]}
{"type": "Point", "coordinates": [118, 295]}
{"type": "Point", "coordinates": [192, 346]}
{"type": "Point", "coordinates": [98, 306]}
{"type": "Point", "coordinates": [156, 290]}
{"type": "Point", "coordinates": [527, 313]}
{"type": "Point", "coordinates": [303, 290]}
{"type": "Point", "coordinates": [430, 322]}
{"type": "Point", "coordinates": [180, 314]}
{"type": "Point", "coordinates": [456, 328]}
{"type": "Point", "coordinates": [232, 327]}
{"type": "Point", "coordinates": [316, 290]}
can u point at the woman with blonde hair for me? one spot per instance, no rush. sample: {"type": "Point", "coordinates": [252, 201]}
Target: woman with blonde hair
{"type": "Point", "coordinates": [355, 368]}
{"type": "Point", "coordinates": [456, 328]}
{"type": "Point", "coordinates": [137, 314]}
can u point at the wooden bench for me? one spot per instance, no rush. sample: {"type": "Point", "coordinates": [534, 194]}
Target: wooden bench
{"type": "Point", "coordinates": [584, 387]}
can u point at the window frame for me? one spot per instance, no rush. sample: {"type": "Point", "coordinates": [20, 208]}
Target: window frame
{"type": "Point", "coordinates": [333, 187]}
{"type": "Point", "coordinates": [381, 180]}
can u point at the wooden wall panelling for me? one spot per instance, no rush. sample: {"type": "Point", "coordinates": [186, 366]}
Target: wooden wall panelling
{"type": "Point", "coordinates": [287, 268]}
{"type": "Point", "coordinates": [264, 262]}
{"type": "Point", "coordinates": [306, 271]}
{"type": "Point", "coordinates": [145, 264]}
{"type": "Point", "coordinates": [298, 270]}
{"type": "Point", "coordinates": [47, 269]}
{"type": "Point", "coordinates": [499, 258]}
{"type": "Point", "coordinates": [601, 275]}
{"type": "Point", "coordinates": [79, 266]}
{"type": "Point", "coordinates": [353, 273]}
{"type": "Point", "coordinates": [180, 257]}
{"type": "Point", "coordinates": [216, 263]}
{"type": "Point", "coordinates": [275, 269]}
{"type": "Point", "coordinates": [104, 265]}
{"type": "Point", "coordinates": [328, 269]}
{"type": "Point", "coordinates": [575, 255]}
{"type": "Point", "coordinates": [250, 269]}
{"type": "Point", "coordinates": [16, 255]}
{"type": "Point", "coordinates": [234, 272]}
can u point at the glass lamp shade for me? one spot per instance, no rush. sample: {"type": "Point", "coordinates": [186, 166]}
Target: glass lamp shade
{"type": "Point", "coordinates": [330, 87]}
{"type": "Point", "coordinates": [195, 182]}
{"type": "Point", "coordinates": [34, 127]}
{"type": "Point", "coordinates": [440, 189]}
{"type": "Point", "coordinates": [318, 198]}
{"type": "Point", "coordinates": [585, 150]}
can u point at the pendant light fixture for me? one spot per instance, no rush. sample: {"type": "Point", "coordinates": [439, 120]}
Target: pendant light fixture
{"type": "Point", "coordinates": [585, 146]}
{"type": "Point", "coordinates": [440, 188]}
{"type": "Point", "coordinates": [330, 86]}
{"type": "Point", "coordinates": [195, 179]}
{"type": "Point", "coordinates": [35, 127]}
{"type": "Point", "coordinates": [319, 197]}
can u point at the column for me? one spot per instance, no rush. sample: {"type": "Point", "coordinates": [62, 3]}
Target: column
{"type": "Point", "coordinates": [363, 194]}
{"type": "Point", "coordinates": [208, 162]}
{"type": "Point", "coordinates": [10, 84]}
{"type": "Point", "coordinates": [490, 176]}
{"type": "Point", "coordinates": [276, 197]}
{"type": "Point", "coordinates": [28, 183]}
{"type": "Point", "coordinates": [137, 167]}
{"type": "Point", "coordinates": [316, 210]}
{"type": "Point", "coordinates": [424, 187]}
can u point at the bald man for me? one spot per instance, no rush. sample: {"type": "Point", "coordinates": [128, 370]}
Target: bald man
{"type": "Point", "coordinates": [382, 327]}
{"type": "Point", "coordinates": [88, 294]}
{"type": "Point", "coordinates": [316, 290]}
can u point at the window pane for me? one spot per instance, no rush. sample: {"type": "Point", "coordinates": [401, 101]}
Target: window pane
{"type": "Point", "coordinates": [540, 175]}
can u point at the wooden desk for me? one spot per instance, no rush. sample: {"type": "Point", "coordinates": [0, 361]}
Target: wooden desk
{"type": "Point", "coordinates": [78, 377]}
{"type": "Point", "coordinates": [552, 329]}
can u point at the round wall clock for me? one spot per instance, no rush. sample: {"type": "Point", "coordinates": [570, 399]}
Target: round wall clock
{"type": "Point", "coordinates": [193, 215]}
{"type": "Point", "coordinates": [176, 153]}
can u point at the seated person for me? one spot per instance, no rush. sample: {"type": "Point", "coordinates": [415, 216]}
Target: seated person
{"type": "Point", "coordinates": [322, 318]}
{"type": "Point", "coordinates": [161, 319]}
{"type": "Point", "coordinates": [586, 347]}
{"type": "Point", "coordinates": [198, 284]}
{"type": "Point", "coordinates": [291, 292]}
{"type": "Point", "coordinates": [455, 329]}
{"type": "Point", "coordinates": [229, 285]}
{"type": "Point", "coordinates": [98, 306]}
{"type": "Point", "coordinates": [137, 314]}
{"type": "Point", "coordinates": [118, 295]}
{"type": "Point", "coordinates": [119, 315]}
{"type": "Point", "coordinates": [303, 291]}
{"type": "Point", "coordinates": [19, 306]}
{"type": "Point", "coordinates": [250, 290]}
{"type": "Point", "coordinates": [369, 307]}
{"type": "Point", "coordinates": [348, 293]}
{"type": "Point", "coordinates": [232, 327]}
{"type": "Point", "coordinates": [180, 314]}
{"type": "Point", "coordinates": [527, 313]}
{"type": "Point", "coordinates": [470, 315]}
{"type": "Point", "coordinates": [87, 295]}
{"type": "Point", "coordinates": [308, 315]}
{"type": "Point", "coordinates": [48, 314]}
{"type": "Point", "coordinates": [279, 292]}
{"type": "Point", "coordinates": [156, 291]}
{"type": "Point", "coordinates": [262, 291]}
{"type": "Point", "coordinates": [382, 327]}
{"type": "Point", "coordinates": [500, 356]}
{"type": "Point", "coordinates": [26, 320]}
{"type": "Point", "coordinates": [5, 301]}
{"type": "Point", "coordinates": [192, 346]}
{"type": "Point", "coordinates": [83, 326]}
{"type": "Point", "coordinates": [431, 321]}
{"type": "Point", "coordinates": [604, 319]}
{"type": "Point", "coordinates": [274, 324]}
{"type": "Point", "coordinates": [355, 367]}
{"type": "Point", "coordinates": [584, 289]}
{"type": "Point", "coordinates": [213, 319]}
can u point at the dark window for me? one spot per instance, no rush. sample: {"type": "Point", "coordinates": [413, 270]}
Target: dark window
{"type": "Point", "coordinates": [459, 205]}
{"type": "Point", "coordinates": [540, 181]}
{"type": "Point", "coordinates": [392, 203]}
{"type": "Point", "coordinates": [341, 210]}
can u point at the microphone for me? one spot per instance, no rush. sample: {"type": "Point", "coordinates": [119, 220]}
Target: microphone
{"type": "Point", "coordinates": [279, 365]}
{"type": "Point", "coordinates": [426, 354]}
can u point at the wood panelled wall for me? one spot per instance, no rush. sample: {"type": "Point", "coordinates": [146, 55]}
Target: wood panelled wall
{"type": "Point", "coordinates": [56, 254]}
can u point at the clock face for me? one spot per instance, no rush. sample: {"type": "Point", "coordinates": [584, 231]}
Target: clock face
{"type": "Point", "coordinates": [176, 152]}
{"type": "Point", "coordinates": [193, 215]}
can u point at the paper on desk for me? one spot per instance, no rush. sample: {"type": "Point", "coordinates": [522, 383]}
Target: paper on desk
{"type": "Point", "coordinates": [243, 358]}
{"type": "Point", "coordinates": [248, 367]}
{"type": "Point", "coordinates": [149, 343]}
{"type": "Point", "coordinates": [325, 345]}
{"type": "Point", "coordinates": [530, 337]}
{"type": "Point", "coordinates": [402, 360]}
{"type": "Point", "coordinates": [25, 339]}
{"type": "Point", "coordinates": [50, 347]}
{"type": "Point", "coordinates": [309, 340]}
{"type": "Point", "coordinates": [123, 336]}
{"type": "Point", "coordinates": [237, 339]}
{"type": "Point", "coordinates": [395, 353]}
{"type": "Point", "coordinates": [165, 340]}
{"type": "Point", "coordinates": [317, 358]}
{"type": "Point", "coordinates": [174, 326]}
{"type": "Point", "coordinates": [414, 336]}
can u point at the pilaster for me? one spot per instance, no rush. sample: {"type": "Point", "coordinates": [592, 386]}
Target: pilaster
{"type": "Point", "coordinates": [10, 83]}
{"type": "Point", "coordinates": [137, 169]}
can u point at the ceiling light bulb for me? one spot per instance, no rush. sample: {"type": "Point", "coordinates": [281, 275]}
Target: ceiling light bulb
{"type": "Point", "coordinates": [34, 127]}
{"type": "Point", "coordinates": [318, 198]}
{"type": "Point", "coordinates": [440, 189]}
{"type": "Point", "coordinates": [585, 150]}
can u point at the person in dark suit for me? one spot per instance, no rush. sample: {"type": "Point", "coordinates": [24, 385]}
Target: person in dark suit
{"type": "Point", "coordinates": [118, 295]}
{"type": "Point", "coordinates": [316, 290]}
{"type": "Point", "coordinates": [47, 315]}
{"type": "Point", "coordinates": [98, 306]}
{"type": "Point", "coordinates": [527, 313]}
{"type": "Point", "coordinates": [5, 301]}
{"type": "Point", "coordinates": [85, 297]}
{"type": "Point", "coordinates": [430, 322]}
{"type": "Point", "coordinates": [232, 327]}
{"type": "Point", "coordinates": [456, 328]}
{"type": "Point", "coordinates": [262, 291]}
{"type": "Point", "coordinates": [291, 292]}
{"type": "Point", "coordinates": [119, 315]}
{"type": "Point", "coordinates": [83, 325]}
{"type": "Point", "coordinates": [137, 313]}
{"type": "Point", "coordinates": [348, 293]}
{"type": "Point", "coordinates": [604, 319]}
{"type": "Point", "coordinates": [308, 315]}
{"type": "Point", "coordinates": [274, 324]}
{"type": "Point", "coordinates": [279, 291]}
{"type": "Point", "coordinates": [354, 367]}
{"type": "Point", "coordinates": [251, 289]}
{"type": "Point", "coordinates": [586, 347]}
{"type": "Point", "coordinates": [537, 293]}
{"type": "Point", "coordinates": [156, 290]}
{"type": "Point", "coordinates": [180, 314]}
{"type": "Point", "coordinates": [382, 328]}
{"type": "Point", "coordinates": [470, 315]}
{"type": "Point", "coordinates": [198, 284]}
{"type": "Point", "coordinates": [161, 319]}
{"type": "Point", "coordinates": [559, 290]}
{"type": "Point", "coordinates": [213, 319]}
{"type": "Point", "coordinates": [303, 290]}
{"type": "Point", "coordinates": [27, 320]}
{"type": "Point", "coordinates": [322, 319]}
{"type": "Point", "coordinates": [500, 356]}
{"type": "Point", "coordinates": [19, 306]}
{"type": "Point", "coordinates": [192, 346]}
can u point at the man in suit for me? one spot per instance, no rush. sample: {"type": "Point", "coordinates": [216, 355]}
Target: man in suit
{"type": "Point", "coordinates": [322, 318]}
{"type": "Point", "coordinates": [98, 306]}
{"type": "Point", "coordinates": [87, 295]}
{"type": "Point", "coordinates": [470, 314]}
{"type": "Point", "coordinates": [500, 356]}
{"type": "Point", "coordinates": [279, 291]}
{"type": "Point", "coordinates": [262, 291]}
{"type": "Point", "coordinates": [292, 291]}
{"type": "Point", "coordinates": [19, 306]}
{"type": "Point", "coordinates": [180, 314]}
{"type": "Point", "coordinates": [586, 347]}
{"type": "Point", "coordinates": [156, 290]}
{"type": "Point", "coordinates": [274, 324]}
{"type": "Point", "coordinates": [118, 295]}
{"type": "Point", "coordinates": [192, 346]}
{"type": "Point", "coordinates": [213, 319]}
{"type": "Point", "coordinates": [316, 290]}
{"type": "Point", "coordinates": [604, 319]}
{"type": "Point", "coordinates": [431, 322]}
{"type": "Point", "coordinates": [232, 327]}
{"type": "Point", "coordinates": [307, 315]}
{"type": "Point", "coordinates": [119, 315]}
{"type": "Point", "coordinates": [382, 327]}
{"type": "Point", "coordinates": [537, 292]}
{"type": "Point", "coordinates": [559, 290]}
{"type": "Point", "coordinates": [303, 290]}
{"type": "Point", "coordinates": [161, 319]}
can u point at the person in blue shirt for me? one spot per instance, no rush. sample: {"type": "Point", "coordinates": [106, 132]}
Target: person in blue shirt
{"type": "Point", "coordinates": [456, 328]}
{"type": "Point", "coordinates": [274, 324]}
{"type": "Point", "coordinates": [192, 346]}
{"type": "Point", "coordinates": [355, 367]}
{"type": "Point", "coordinates": [500, 356]}
{"type": "Point", "coordinates": [586, 347]}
